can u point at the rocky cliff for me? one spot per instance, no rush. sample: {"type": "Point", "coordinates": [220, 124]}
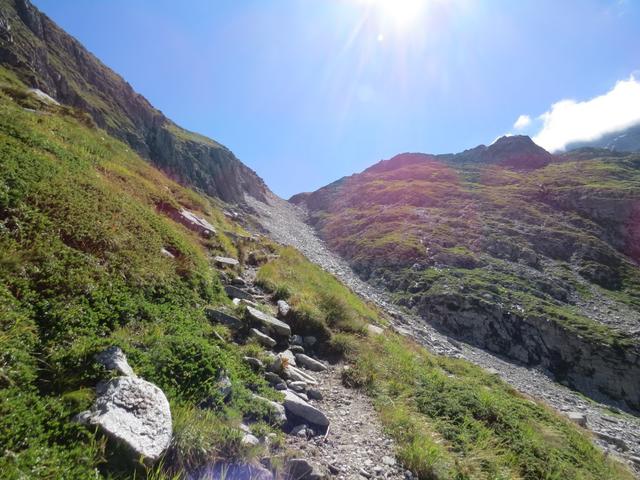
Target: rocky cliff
{"type": "Point", "coordinates": [46, 57]}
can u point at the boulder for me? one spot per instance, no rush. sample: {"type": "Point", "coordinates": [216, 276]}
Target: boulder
{"type": "Point", "coordinates": [300, 408]}
{"type": "Point", "coordinates": [226, 261]}
{"type": "Point", "coordinates": [297, 340]}
{"type": "Point", "coordinates": [296, 349]}
{"type": "Point", "coordinates": [269, 322]}
{"type": "Point", "coordinates": [310, 341]}
{"type": "Point", "coordinates": [133, 412]}
{"type": "Point", "coordinates": [300, 469]}
{"type": "Point", "coordinates": [262, 338]}
{"type": "Point", "coordinates": [283, 309]}
{"type": "Point", "coordinates": [114, 359]}
{"type": "Point", "coordinates": [167, 253]}
{"type": "Point", "coordinates": [310, 363]}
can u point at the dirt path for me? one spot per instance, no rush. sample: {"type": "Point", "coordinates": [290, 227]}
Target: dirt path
{"type": "Point", "coordinates": [356, 446]}
{"type": "Point", "coordinates": [615, 432]}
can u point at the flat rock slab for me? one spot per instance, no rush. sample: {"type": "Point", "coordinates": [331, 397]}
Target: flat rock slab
{"type": "Point", "coordinates": [218, 316]}
{"type": "Point", "coordinates": [271, 323]}
{"type": "Point", "coordinates": [195, 222]}
{"type": "Point", "coordinates": [235, 292]}
{"type": "Point", "coordinates": [298, 407]}
{"type": "Point", "coordinates": [310, 363]}
{"type": "Point", "coordinates": [133, 412]}
{"type": "Point", "coordinates": [226, 261]}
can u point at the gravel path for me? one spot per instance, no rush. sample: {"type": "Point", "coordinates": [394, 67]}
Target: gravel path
{"type": "Point", "coordinates": [615, 432]}
{"type": "Point", "coordinates": [355, 446]}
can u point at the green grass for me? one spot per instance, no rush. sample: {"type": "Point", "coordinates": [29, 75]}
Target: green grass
{"type": "Point", "coordinates": [453, 421]}
{"type": "Point", "coordinates": [450, 419]}
{"type": "Point", "coordinates": [81, 268]}
{"type": "Point", "coordinates": [319, 301]}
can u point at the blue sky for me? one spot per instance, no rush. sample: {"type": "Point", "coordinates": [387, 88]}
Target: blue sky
{"type": "Point", "coordinates": [307, 91]}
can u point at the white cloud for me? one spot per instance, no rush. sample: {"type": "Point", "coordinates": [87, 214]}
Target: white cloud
{"type": "Point", "coordinates": [569, 121]}
{"type": "Point", "coordinates": [522, 122]}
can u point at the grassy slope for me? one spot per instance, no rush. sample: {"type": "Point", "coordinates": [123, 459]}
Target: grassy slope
{"type": "Point", "coordinates": [81, 269]}
{"type": "Point", "coordinates": [451, 420]}
{"type": "Point", "coordinates": [476, 228]}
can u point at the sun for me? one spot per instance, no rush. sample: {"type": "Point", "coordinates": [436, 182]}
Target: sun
{"type": "Point", "coordinates": [401, 14]}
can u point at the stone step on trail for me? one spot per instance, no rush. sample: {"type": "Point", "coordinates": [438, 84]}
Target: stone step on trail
{"type": "Point", "coordinates": [269, 322]}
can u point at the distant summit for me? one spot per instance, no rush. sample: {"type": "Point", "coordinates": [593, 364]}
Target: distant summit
{"type": "Point", "coordinates": [517, 151]}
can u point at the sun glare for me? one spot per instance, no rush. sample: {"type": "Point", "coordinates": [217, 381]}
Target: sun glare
{"type": "Point", "coordinates": [402, 14]}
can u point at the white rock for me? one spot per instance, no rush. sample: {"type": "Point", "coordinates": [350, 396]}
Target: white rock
{"type": "Point", "coordinates": [269, 322]}
{"type": "Point", "coordinates": [134, 412]}
{"type": "Point", "coordinates": [114, 359]}
{"type": "Point", "coordinates": [283, 308]}
{"type": "Point", "coordinates": [298, 407]}
{"type": "Point", "coordinates": [226, 261]}
{"type": "Point", "coordinates": [36, 92]}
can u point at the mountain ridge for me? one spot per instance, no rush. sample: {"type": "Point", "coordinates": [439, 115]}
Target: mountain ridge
{"type": "Point", "coordinates": [529, 244]}
{"type": "Point", "coordinates": [45, 57]}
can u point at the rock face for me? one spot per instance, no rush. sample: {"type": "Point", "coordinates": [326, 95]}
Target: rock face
{"type": "Point", "coordinates": [133, 412]}
{"type": "Point", "coordinates": [589, 367]}
{"type": "Point", "coordinates": [298, 407]}
{"type": "Point", "coordinates": [269, 322]}
{"type": "Point", "coordinates": [47, 58]}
